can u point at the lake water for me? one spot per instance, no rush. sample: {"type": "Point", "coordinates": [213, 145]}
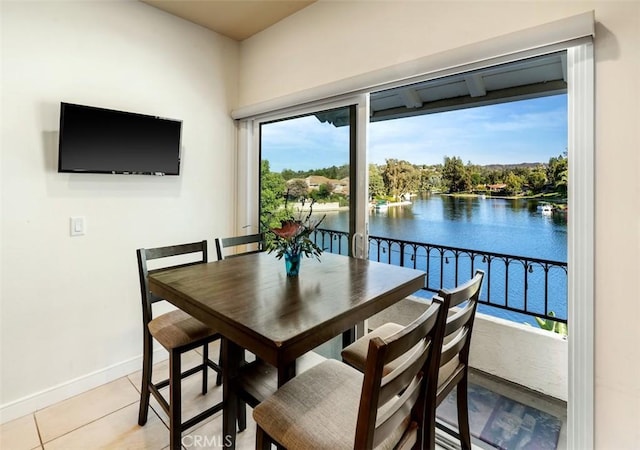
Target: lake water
{"type": "Point", "coordinates": [513, 227]}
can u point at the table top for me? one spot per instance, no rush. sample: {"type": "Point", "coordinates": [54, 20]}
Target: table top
{"type": "Point", "coordinates": [250, 300]}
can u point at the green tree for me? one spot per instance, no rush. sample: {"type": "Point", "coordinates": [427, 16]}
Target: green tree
{"type": "Point", "coordinates": [376, 183]}
{"type": "Point", "coordinates": [558, 172]}
{"type": "Point", "coordinates": [537, 178]}
{"type": "Point", "coordinates": [455, 176]}
{"type": "Point", "coordinates": [325, 190]}
{"type": "Point", "coordinates": [430, 179]}
{"type": "Point", "coordinates": [272, 189]}
{"type": "Point", "coordinates": [288, 174]}
{"type": "Point", "coordinates": [400, 177]}
{"type": "Point", "coordinates": [514, 183]}
{"type": "Point", "coordinates": [475, 175]}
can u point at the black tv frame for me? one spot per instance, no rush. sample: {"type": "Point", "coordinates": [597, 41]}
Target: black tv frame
{"type": "Point", "coordinates": [106, 130]}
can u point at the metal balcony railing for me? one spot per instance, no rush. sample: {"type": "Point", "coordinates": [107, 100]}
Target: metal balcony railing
{"type": "Point", "coordinates": [524, 285]}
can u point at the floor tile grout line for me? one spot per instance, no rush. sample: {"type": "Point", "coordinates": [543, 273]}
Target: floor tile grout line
{"type": "Point", "coordinates": [35, 418]}
{"type": "Point", "coordinates": [132, 383]}
{"type": "Point", "coordinates": [35, 421]}
{"type": "Point", "coordinates": [87, 423]}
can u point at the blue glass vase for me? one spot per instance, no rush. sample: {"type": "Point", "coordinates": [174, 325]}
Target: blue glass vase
{"type": "Point", "coordinates": [292, 263]}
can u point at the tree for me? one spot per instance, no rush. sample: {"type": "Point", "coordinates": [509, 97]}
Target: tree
{"type": "Point", "coordinates": [288, 174]}
{"type": "Point", "coordinates": [325, 190]}
{"type": "Point", "coordinates": [537, 178]}
{"type": "Point", "coordinates": [558, 172]}
{"type": "Point", "coordinates": [297, 188]}
{"type": "Point", "coordinates": [475, 175]}
{"type": "Point", "coordinates": [272, 189]}
{"type": "Point", "coordinates": [429, 179]}
{"type": "Point", "coordinates": [455, 175]}
{"type": "Point", "coordinates": [400, 177]}
{"type": "Point", "coordinates": [376, 183]}
{"type": "Point", "coordinates": [514, 183]}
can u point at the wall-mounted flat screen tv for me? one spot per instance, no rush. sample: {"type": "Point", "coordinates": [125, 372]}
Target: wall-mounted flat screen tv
{"type": "Point", "coordinates": [98, 140]}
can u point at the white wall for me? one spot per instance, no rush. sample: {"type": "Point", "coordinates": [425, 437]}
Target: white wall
{"type": "Point", "coordinates": [329, 41]}
{"type": "Point", "coordinates": [70, 306]}
{"type": "Point", "coordinates": [502, 348]}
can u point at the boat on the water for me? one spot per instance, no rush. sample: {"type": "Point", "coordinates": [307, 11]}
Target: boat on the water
{"type": "Point", "coordinates": [545, 208]}
{"type": "Point", "coordinates": [382, 205]}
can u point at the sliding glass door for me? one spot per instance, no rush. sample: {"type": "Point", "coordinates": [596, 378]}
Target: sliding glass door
{"type": "Point", "coordinates": [305, 168]}
{"type": "Point", "coordinates": [313, 161]}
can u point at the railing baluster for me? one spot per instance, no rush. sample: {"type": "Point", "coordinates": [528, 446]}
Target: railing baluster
{"type": "Point", "coordinates": [506, 282]}
{"type": "Point", "coordinates": [526, 283]}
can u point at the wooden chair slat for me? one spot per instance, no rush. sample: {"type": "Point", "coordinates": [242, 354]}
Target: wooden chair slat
{"type": "Point", "coordinates": [175, 250]}
{"type": "Point", "coordinates": [401, 342]}
{"type": "Point", "coordinates": [464, 292]}
{"type": "Point", "coordinates": [459, 319]}
{"type": "Point", "coordinates": [236, 241]}
{"type": "Point", "coordinates": [393, 418]}
{"type": "Point", "coordinates": [453, 348]}
{"type": "Point", "coordinates": [401, 376]}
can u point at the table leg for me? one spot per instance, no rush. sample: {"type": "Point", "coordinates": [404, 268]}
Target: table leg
{"type": "Point", "coordinates": [348, 337]}
{"type": "Point", "coordinates": [286, 372]}
{"type": "Point", "coordinates": [231, 356]}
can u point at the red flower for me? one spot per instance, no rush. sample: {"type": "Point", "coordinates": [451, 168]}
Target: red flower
{"type": "Point", "coordinates": [288, 229]}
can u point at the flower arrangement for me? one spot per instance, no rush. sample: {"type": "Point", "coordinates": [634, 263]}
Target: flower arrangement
{"type": "Point", "coordinates": [293, 235]}
{"type": "Point", "coordinates": [293, 239]}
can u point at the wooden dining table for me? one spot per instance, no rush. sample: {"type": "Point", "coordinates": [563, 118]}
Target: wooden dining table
{"type": "Point", "coordinates": [251, 302]}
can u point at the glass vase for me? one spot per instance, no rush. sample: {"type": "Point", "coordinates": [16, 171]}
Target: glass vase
{"type": "Point", "coordinates": [292, 263]}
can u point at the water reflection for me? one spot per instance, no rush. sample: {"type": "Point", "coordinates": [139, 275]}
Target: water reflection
{"type": "Point", "coordinates": [457, 208]}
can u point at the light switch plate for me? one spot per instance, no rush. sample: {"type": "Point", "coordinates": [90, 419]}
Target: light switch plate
{"type": "Point", "coordinates": [77, 226]}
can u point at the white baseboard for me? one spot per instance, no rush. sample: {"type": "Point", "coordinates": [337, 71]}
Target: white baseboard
{"type": "Point", "coordinates": [40, 400]}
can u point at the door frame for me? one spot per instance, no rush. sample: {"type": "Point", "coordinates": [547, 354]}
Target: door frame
{"type": "Point", "coordinates": [248, 168]}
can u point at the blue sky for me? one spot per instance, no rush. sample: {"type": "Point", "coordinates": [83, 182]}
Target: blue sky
{"type": "Point", "coordinates": [507, 133]}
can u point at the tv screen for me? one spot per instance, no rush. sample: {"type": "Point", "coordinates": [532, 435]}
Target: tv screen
{"type": "Point", "coordinates": [98, 140]}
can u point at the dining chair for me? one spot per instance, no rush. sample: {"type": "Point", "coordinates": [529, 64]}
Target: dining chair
{"type": "Point", "coordinates": [453, 359]}
{"type": "Point", "coordinates": [178, 333]}
{"type": "Point", "coordinates": [334, 406]}
{"type": "Point", "coordinates": [236, 241]}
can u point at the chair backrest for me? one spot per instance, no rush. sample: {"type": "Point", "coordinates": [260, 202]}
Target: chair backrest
{"type": "Point", "coordinates": [459, 324]}
{"type": "Point", "coordinates": [222, 243]}
{"type": "Point", "coordinates": [394, 402]}
{"type": "Point", "coordinates": [148, 254]}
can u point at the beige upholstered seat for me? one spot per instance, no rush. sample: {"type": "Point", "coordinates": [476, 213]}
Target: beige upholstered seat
{"type": "Point", "coordinates": [355, 355]}
{"type": "Point", "coordinates": [178, 333]}
{"type": "Point", "coordinates": [177, 328]}
{"type": "Point", "coordinates": [460, 304]}
{"type": "Point", "coordinates": [403, 312]}
{"type": "Point", "coordinates": [334, 391]}
{"type": "Point", "coordinates": [334, 406]}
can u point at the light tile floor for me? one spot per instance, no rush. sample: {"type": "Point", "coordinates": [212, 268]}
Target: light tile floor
{"type": "Point", "coordinates": [107, 417]}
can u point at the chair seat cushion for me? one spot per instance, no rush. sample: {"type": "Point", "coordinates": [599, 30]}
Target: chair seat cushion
{"type": "Point", "coordinates": [318, 409]}
{"type": "Point", "coordinates": [403, 312]}
{"type": "Point", "coordinates": [356, 354]}
{"type": "Point", "coordinates": [177, 328]}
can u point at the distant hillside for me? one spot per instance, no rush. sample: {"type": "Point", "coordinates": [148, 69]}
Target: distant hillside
{"type": "Point", "coordinates": [514, 166]}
